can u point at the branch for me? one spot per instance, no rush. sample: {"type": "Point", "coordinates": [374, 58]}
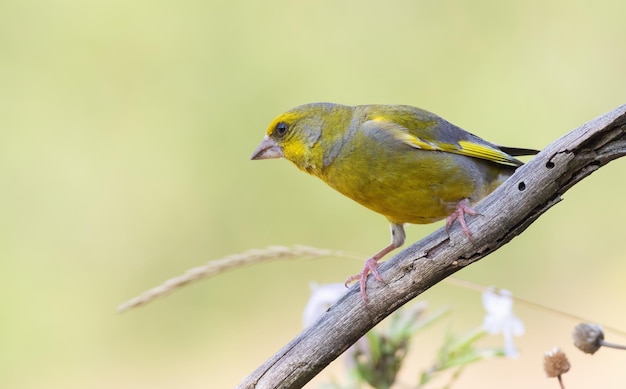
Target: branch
{"type": "Point", "coordinates": [533, 189]}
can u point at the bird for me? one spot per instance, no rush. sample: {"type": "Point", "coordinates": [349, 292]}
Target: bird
{"type": "Point", "coordinates": [405, 163]}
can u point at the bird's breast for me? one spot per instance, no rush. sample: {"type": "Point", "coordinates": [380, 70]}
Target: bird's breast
{"type": "Point", "coordinates": [408, 185]}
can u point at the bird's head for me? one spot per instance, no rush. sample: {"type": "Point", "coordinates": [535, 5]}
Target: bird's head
{"type": "Point", "coordinates": [297, 135]}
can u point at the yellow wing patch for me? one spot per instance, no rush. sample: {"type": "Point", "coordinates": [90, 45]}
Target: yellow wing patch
{"type": "Point", "coordinates": [485, 152]}
{"type": "Point", "coordinates": [463, 147]}
{"type": "Point", "coordinates": [416, 142]}
{"type": "Point", "coordinates": [400, 134]}
{"type": "Point", "coordinates": [466, 148]}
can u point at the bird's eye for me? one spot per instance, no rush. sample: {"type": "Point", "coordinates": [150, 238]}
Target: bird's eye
{"type": "Point", "coordinates": [281, 129]}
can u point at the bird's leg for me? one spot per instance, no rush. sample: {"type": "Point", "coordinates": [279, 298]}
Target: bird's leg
{"type": "Point", "coordinates": [371, 265]}
{"type": "Point", "coordinates": [462, 208]}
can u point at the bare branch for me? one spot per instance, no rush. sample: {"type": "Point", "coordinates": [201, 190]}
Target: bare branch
{"type": "Point", "coordinates": [506, 213]}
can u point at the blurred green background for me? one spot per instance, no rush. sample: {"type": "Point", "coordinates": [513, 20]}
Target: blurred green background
{"type": "Point", "coordinates": [125, 135]}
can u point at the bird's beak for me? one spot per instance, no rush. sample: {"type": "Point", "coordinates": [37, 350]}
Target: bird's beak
{"type": "Point", "coordinates": [267, 149]}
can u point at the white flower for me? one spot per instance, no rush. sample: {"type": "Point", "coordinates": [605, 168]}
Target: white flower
{"type": "Point", "coordinates": [322, 297]}
{"type": "Point", "coordinates": [500, 319]}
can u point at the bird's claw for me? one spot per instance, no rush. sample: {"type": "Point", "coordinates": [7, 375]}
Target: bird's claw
{"type": "Point", "coordinates": [462, 208]}
{"type": "Point", "coordinates": [371, 266]}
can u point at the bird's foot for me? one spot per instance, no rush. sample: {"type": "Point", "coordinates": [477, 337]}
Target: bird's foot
{"type": "Point", "coordinates": [462, 208]}
{"type": "Point", "coordinates": [371, 266]}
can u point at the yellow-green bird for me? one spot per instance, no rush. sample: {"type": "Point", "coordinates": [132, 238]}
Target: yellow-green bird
{"type": "Point", "coordinates": [403, 162]}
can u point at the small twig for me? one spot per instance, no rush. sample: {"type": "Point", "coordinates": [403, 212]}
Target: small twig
{"type": "Point", "coordinates": [475, 286]}
{"type": "Point", "coordinates": [604, 343]}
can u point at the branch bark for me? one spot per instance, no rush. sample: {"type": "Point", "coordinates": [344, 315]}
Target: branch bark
{"type": "Point", "coordinates": [506, 213]}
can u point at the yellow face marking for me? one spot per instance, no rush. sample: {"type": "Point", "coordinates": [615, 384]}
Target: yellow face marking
{"type": "Point", "coordinates": [293, 150]}
{"type": "Point", "coordinates": [288, 117]}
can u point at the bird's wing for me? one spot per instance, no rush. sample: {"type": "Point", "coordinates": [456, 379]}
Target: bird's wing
{"type": "Point", "coordinates": [438, 135]}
